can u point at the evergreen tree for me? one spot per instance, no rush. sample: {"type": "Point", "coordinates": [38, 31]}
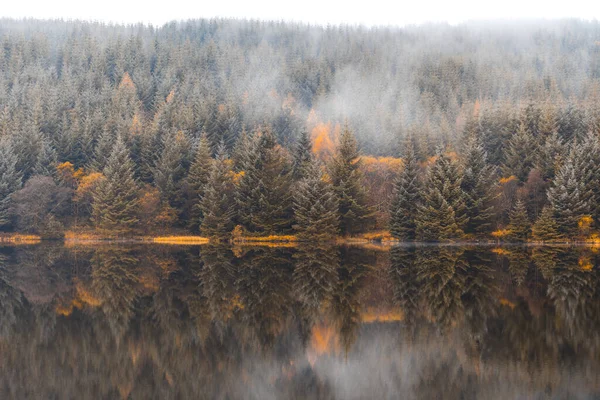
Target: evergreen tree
{"type": "Point", "coordinates": [345, 174]}
{"type": "Point", "coordinates": [315, 206]}
{"type": "Point", "coordinates": [551, 155]}
{"type": "Point", "coordinates": [406, 197]}
{"type": "Point", "coordinates": [519, 225]}
{"type": "Point", "coordinates": [195, 183]}
{"type": "Point", "coordinates": [10, 180]}
{"type": "Point", "coordinates": [586, 160]}
{"type": "Point", "coordinates": [302, 156]}
{"type": "Point", "coordinates": [545, 228]}
{"type": "Point", "coordinates": [263, 197]}
{"type": "Point", "coordinates": [171, 167]}
{"type": "Point", "coordinates": [479, 185]}
{"type": "Point", "coordinates": [115, 197]}
{"type": "Point", "coordinates": [568, 199]}
{"type": "Point", "coordinates": [442, 214]}
{"type": "Point", "coordinates": [520, 154]}
{"type": "Point", "coordinates": [216, 204]}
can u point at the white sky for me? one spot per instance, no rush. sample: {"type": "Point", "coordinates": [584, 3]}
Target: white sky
{"type": "Point", "coordinates": [366, 12]}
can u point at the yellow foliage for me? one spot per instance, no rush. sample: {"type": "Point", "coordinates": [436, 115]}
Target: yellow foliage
{"type": "Point", "coordinates": [170, 97]}
{"type": "Point", "coordinates": [585, 263]}
{"type": "Point", "coordinates": [87, 184]}
{"type": "Point", "coordinates": [370, 315]}
{"type": "Point", "coordinates": [500, 233]}
{"type": "Point", "coordinates": [18, 238]}
{"type": "Point", "coordinates": [270, 238]}
{"type": "Point", "coordinates": [136, 125]}
{"type": "Point", "coordinates": [323, 140]}
{"type": "Point", "coordinates": [500, 251]}
{"type": "Point", "coordinates": [181, 240]}
{"type": "Point", "coordinates": [235, 177]}
{"type": "Point", "coordinates": [506, 302]}
{"type": "Point", "coordinates": [126, 82]}
{"type": "Point", "coordinates": [372, 164]}
{"type": "Point", "coordinates": [221, 108]}
{"type": "Point", "coordinates": [511, 178]}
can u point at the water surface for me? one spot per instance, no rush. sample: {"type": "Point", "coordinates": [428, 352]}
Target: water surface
{"type": "Point", "coordinates": [168, 322]}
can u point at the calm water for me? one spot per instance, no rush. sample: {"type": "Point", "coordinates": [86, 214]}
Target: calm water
{"type": "Point", "coordinates": [151, 322]}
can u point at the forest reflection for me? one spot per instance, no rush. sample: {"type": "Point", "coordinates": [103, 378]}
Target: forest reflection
{"type": "Point", "coordinates": [144, 322]}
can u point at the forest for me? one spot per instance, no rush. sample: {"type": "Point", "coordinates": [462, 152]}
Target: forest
{"type": "Point", "coordinates": [238, 128]}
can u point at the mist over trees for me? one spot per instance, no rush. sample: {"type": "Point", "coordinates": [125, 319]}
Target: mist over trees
{"type": "Point", "coordinates": [127, 121]}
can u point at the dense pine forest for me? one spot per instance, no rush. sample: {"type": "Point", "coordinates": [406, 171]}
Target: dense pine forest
{"type": "Point", "coordinates": [229, 127]}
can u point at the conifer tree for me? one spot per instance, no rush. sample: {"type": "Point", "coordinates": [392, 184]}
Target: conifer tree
{"type": "Point", "coordinates": [217, 202]}
{"type": "Point", "coordinates": [196, 181]}
{"type": "Point", "coordinates": [551, 155]}
{"type": "Point", "coordinates": [345, 174]}
{"type": "Point", "coordinates": [263, 197]}
{"type": "Point", "coordinates": [172, 166]}
{"type": "Point", "coordinates": [568, 199]}
{"type": "Point", "coordinates": [519, 225]}
{"type": "Point", "coordinates": [586, 161]}
{"type": "Point", "coordinates": [115, 197]}
{"type": "Point", "coordinates": [545, 228]}
{"type": "Point", "coordinates": [10, 180]}
{"type": "Point", "coordinates": [302, 156]}
{"type": "Point", "coordinates": [442, 214]}
{"type": "Point", "coordinates": [520, 153]}
{"type": "Point", "coordinates": [315, 206]}
{"type": "Point", "coordinates": [406, 197]}
{"type": "Point", "coordinates": [478, 184]}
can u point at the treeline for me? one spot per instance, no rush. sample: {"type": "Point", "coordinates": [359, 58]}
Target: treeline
{"type": "Point", "coordinates": [212, 125]}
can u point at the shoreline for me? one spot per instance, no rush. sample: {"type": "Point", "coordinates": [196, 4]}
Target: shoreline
{"type": "Point", "coordinates": [376, 240]}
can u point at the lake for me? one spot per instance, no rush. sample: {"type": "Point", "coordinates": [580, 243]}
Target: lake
{"type": "Point", "coordinates": [168, 322]}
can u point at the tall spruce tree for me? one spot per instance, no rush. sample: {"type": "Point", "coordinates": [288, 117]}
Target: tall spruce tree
{"type": "Point", "coordinates": [519, 225]}
{"type": "Point", "coordinates": [315, 206]}
{"type": "Point", "coordinates": [406, 197]}
{"type": "Point", "coordinates": [302, 156]}
{"type": "Point", "coordinates": [520, 153]}
{"type": "Point", "coordinates": [568, 198]}
{"type": "Point", "coordinates": [479, 186]}
{"type": "Point", "coordinates": [550, 156]}
{"type": "Point", "coordinates": [263, 197]}
{"type": "Point", "coordinates": [545, 228]}
{"type": "Point", "coordinates": [442, 214]}
{"type": "Point", "coordinates": [172, 167]}
{"type": "Point", "coordinates": [195, 183]}
{"type": "Point", "coordinates": [115, 197]}
{"type": "Point", "coordinates": [217, 202]}
{"type": "Point", "coordinates": [10, 180]}
{"type": "Point", "coordinates": [586, 161]}
{"type": "Point", "coordinates": [344, 169]}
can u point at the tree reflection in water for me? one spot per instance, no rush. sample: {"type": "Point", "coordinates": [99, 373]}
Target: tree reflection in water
{"type": "Point", "coordinates": [308, 322]}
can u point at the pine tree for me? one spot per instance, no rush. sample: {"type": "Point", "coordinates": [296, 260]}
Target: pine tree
{"type": "Point", "coordinates": [586, 159]}
{"type": "Point", "coordinates": [519, 225]}
{"type": "Point", "coordinates": [217, 202]}
{"type": "Point", "coordinates": [406, 197]}
{"type": "Point", "coordinates": [302, 156]}
{"type": "Point", "coordinates": [568, 198]}
{"type": "Point", "coordinates": [196, 181]}
{"type": "Point", "coordinates": [442, 214]}
{"type": "Point", "coordinates": [115, 198]}
{"type": "Point", "coordinates": [263, 198]}
{"type": "Point", "coordinates": [479, 185]}
{"type": "Point", "coordinates": [315, 206]}
{"type": "Point", "coordinates": [10, 180]}
{"type": "Point", "coordinates": [345, 174]}
{"type": "Point", "coordinates": [520, 154]}
{"type": "Point", "coordinates": [545, 228]}
{"type": "Point", "coordinates": [171, 167]}
{"type": "Point", "coordinates": [551, 155]}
